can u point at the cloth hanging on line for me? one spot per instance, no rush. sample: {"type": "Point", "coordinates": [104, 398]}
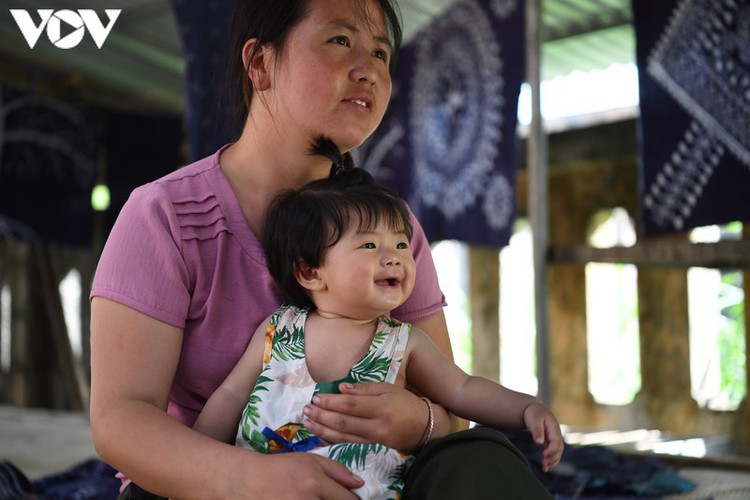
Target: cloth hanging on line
{"type": "Point", "coordinates": [694, 77]}
{"type": "Point", "coordinates": [448, 142]}
{"type": "Point", "coordinates": [48, 166]}
{"type": "Point", "coordinates": [210, 108]}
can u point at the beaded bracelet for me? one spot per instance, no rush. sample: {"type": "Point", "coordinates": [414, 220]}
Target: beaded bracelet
{"type": "Point", "coordinates": [427, 434]}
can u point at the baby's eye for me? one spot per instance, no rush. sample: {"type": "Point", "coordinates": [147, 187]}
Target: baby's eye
{"type": "Point", "coordinates": [340, 40]}
{"type": "Point", "coordinates": [368, 245]}
{"type": "Point", "coordinates": [402, 246]}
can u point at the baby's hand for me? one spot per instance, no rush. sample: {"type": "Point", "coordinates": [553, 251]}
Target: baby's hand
{"type": "Point", "coordinates": [545, 429]}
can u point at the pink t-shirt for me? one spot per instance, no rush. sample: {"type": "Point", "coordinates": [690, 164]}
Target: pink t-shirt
{"type": "Point", "coordinates": [181, 252]}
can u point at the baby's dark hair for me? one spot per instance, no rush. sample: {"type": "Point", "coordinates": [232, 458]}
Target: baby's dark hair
{"type": "Point", "coordinates": [301, 224]}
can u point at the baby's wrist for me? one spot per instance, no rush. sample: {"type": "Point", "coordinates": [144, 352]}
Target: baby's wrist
{"type": "Point", "coordinates": [530, 405]}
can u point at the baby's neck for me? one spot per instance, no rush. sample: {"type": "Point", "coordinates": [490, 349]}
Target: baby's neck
{"type": "Point", "coordinates": [335, 343]}
{"type": "Point", "coordinates": [334, 316]}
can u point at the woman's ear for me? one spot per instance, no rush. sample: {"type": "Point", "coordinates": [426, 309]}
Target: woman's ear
{"type": "Point", "coordinates": [257, 67]}
{"type": "Point", "coordinates": [308, 277]}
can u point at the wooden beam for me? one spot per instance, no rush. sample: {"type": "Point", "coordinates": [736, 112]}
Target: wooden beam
{"type": "Point", "coordinates": [661, 253]}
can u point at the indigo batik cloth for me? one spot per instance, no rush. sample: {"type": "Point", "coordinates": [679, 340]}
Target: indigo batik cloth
{"type": "Point", "coordinates": [694, 77]}
{"type": "Point", "coordinates": [211, 118]}
{"type": "Point", "coordinates": [448, 142]}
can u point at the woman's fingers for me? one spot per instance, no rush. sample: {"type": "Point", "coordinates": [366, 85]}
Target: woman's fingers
{"type": "Point", "coordinates": [340, 475]}
{"type": "Point", "coordinates": [314, 477]}
{"type": "Point", "coordinates": [332, 426]}
{"type": "Point", "coordinates": [369, 413]}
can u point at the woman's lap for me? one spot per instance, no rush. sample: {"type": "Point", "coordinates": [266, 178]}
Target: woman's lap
{"type": "Point", "coordinates": [479, 463]}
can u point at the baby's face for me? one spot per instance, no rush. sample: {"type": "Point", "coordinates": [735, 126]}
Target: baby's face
{"type": "Point", "coordinates": [371, 271]}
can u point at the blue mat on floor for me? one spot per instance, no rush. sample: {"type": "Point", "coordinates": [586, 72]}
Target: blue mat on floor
{"type": "Point", "coordinates": [89, 480]}
{"type": "Point", "coordinates": [591, 472]}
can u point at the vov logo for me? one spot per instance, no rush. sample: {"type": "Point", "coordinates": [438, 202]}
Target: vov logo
{"type": "Point", "coordinates": [77, 22]}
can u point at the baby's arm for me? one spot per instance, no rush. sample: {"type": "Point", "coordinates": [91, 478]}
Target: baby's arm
{"type": "Point", "coordinates": [221, 414]}
{"type": "Point", "coordinates": [479, 399]}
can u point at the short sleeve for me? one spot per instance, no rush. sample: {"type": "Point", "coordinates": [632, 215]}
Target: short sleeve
{"type": "Point", "coordinates": [427, 298]}
{"type": "Point", "coordinates": [141, 265]}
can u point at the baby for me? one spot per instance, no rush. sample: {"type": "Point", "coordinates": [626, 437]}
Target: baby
{"type": "Point", "coordinates": [339, 249]}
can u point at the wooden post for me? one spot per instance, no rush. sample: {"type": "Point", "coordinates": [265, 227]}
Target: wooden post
{"type": "Point", "coordinates": [741, 430]}
{"type": "Point", "coordinates": [26, 384]}
{"type": "Point", "coordinates": [484, 296]}
{"type": "Point", "coordinates": [536, 165]}
{"type": "Point", "coordinates": [665, 396]}
{"type": "Point", "coordinates": [72, 378]}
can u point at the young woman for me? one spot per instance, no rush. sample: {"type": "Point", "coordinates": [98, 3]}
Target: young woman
{"type": "Point", "coordinates": [339, 250]}
{"type": "Point", "coordinates": [182, 275]}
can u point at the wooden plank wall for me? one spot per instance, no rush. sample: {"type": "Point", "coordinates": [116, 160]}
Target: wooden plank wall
{"type": "Point", "coordinates": [43, 373]}
{"type": "Point", "coordinates": [594, 169]}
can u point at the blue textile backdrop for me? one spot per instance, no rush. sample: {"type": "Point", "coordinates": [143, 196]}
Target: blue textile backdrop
{"type": "Point", "coordinates": [448, 142]}
{"type": "Point", "coordinates": [694, 75]}
{"type": "Point", "coordinates": [210, 112]}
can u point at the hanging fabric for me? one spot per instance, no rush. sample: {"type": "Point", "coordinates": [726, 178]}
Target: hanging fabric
{"type": "Point", "coordinates": [448, 143]}
{"type": "Point", "coordinates": [694, 77]}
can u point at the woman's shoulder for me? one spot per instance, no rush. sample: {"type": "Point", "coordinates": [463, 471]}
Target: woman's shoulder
{"type": "Point", "coordinates": [193, 182]}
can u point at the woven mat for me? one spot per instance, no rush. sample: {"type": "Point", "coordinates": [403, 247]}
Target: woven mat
{"type": "Point", "coordinates": [715, 484]}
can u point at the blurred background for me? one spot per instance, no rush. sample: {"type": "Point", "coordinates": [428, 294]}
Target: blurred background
{"type": "Point", "coordinates": [591, 243]}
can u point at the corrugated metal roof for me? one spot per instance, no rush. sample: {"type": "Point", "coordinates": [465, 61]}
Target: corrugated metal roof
{"type": "Point", "coordinates": [144, 67]}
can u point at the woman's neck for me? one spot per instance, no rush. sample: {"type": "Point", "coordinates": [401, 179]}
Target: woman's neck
{"type": "Point", "coordinates": [259, 169]}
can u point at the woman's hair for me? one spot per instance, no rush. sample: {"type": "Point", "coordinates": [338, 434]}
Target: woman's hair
{"type": "Point", "coordinates": [301, 224]}
{"type": "Point", "coordinates": [270, 22]}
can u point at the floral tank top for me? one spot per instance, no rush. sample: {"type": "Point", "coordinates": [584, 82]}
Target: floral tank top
{"type": "Point", "coordinates": [272, 419]}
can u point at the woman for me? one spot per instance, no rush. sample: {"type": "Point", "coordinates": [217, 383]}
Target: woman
{"type": "Point", "coordinates": [182, 282]}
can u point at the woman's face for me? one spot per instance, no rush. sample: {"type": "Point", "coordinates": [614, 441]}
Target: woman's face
{"type": "Point", "coordinates": [333, 78]}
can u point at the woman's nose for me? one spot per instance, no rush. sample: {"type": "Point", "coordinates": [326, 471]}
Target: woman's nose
{"type": "Point", "coordinates": [363, 69]}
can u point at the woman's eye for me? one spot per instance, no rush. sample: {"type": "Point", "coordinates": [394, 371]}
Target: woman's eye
{"type": "Point", "coordinates": [381, 54]}
{"type": "Point", "coordinates": [340, 40]}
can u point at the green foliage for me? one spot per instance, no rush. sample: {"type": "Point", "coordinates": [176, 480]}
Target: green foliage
{"type": "Point", "coordinates": [732, 346]}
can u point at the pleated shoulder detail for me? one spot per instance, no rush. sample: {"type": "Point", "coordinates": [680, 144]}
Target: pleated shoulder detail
{"type": "Point", "coordinates": [201, 220]}
{"type": "Point", "coordinates": [205, 206]}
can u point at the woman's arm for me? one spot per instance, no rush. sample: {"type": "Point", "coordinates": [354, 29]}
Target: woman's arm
{"type": "Point", "coordinates": [221, 414]}
{"type": "Point", "coordinates": [133, 362]}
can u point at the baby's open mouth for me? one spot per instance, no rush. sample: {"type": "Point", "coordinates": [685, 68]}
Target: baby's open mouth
{"type": "Point", "coordinates": [388, 282]}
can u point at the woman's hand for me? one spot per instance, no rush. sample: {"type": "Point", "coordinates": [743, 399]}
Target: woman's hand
{"type": "Point", "coordinates": [298, 476]}
{"type": "Point", "coordinates": [369, 413]}
{"type": "Point", "coordinates": [545, 430]}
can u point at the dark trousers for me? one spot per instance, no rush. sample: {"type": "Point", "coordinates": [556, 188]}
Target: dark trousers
{"type": "Point", "coordinates": [480, 463]}
{"type": "Point", "coordinates": [134, 492]}
{"type": "Point", "coordinates": [477, 464]}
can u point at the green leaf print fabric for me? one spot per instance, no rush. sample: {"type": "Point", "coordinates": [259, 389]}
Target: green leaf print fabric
{"type": "Point", "coordinates": [285, 386]}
